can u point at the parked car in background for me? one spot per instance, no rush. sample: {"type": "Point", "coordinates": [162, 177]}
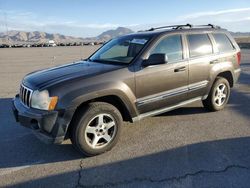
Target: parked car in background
{"type": "Point", "coordinates": [51, 43]}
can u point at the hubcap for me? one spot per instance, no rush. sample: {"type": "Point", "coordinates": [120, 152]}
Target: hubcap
{"type": "Point", "coordinates": [220, 95]}
{"type": "Point", "coordinates": [100, 131]}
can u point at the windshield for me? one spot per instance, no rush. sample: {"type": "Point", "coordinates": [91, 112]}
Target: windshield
{"type": "Point", "coordinates": [120, 50]}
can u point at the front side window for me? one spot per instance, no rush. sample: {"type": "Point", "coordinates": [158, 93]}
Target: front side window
{"type": "Point", "coordinates": [120, 50]}
{"type": "Point", "coordinates": [199, 45]}
{"type": "Point", "coordinates": [171, 46]}
{"type": "Point", "coordinates": [223, 43]}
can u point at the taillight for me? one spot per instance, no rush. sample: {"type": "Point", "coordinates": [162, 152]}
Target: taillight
{"type": "Point", "coordinates": [238, 57]}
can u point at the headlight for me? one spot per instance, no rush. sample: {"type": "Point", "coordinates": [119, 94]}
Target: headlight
{"type": "Point", "coordinates": [42, 100]}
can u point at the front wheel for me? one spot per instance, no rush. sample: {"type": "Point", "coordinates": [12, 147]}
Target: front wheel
{"type": "Point", "coordinates": [96, 129]}
{"type": "Point", "coordinates": [218, 96]}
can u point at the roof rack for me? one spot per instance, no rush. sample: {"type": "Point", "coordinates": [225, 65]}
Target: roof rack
{"type": "Point", "coordinates": [175, 27]}
{"type": "Point", "coordinates": [170, 26]}
{"type": "Point", "coordinates": [209, 25]}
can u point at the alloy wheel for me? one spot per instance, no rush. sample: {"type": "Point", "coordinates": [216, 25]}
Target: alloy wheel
{"type": "Point", "coordinates": [100, 131]}
{"type": "Point", "coordinates": [220, 95]}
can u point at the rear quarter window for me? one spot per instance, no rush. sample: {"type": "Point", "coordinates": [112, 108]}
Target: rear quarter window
{"type": "Point", "coordinates": [199, 45]}
{"type": "Point", "coordinates": [222, 42]}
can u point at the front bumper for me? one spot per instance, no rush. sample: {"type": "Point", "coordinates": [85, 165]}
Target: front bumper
{"type": "Point", "coordinates": [45, 124]}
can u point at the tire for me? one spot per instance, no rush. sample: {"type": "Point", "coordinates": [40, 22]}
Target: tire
{"type": "Point", "coordinates": [217, 101]}
{"type": "Point", "coordinates": [96, 128]}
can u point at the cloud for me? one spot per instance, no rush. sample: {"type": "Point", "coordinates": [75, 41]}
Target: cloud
{"type": "Point", "coordinates": [28, 21]}
{"type": "Point", "coordinates": [232, 19]}
{"type": "Point", "coordinates": [91, 26]}
{"type": "Point", "coordinates": [214, 13]}
{"type": "Point", "coordinates": [237, 19]}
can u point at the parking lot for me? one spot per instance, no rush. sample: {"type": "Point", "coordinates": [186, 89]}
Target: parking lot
{"type": "Point", "coordinates": [188, 147]}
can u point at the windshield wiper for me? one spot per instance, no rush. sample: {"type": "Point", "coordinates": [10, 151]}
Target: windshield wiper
{"type": "Point", "coordinates": [88, 59]}
{"type": "Point", "coordinates": [98, 60]}
{"type": "Point", "coordinates": [108, 61]}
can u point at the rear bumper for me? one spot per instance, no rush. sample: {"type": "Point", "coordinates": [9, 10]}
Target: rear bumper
{"type": "Point", "coordinates": [45, 124]}
{"type": "Point", "coordinates": [236, 75]}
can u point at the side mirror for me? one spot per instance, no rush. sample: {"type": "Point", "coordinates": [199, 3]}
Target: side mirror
{"type": "Point", "coordinates": [156, 59]}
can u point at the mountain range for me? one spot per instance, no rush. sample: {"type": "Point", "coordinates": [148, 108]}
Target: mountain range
{"type": "Point", "coordinates": [240, 34]}
{"type": "Point", "coordinates": [43, 37]}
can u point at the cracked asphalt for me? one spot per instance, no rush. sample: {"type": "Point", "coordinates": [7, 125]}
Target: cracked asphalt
{"type": "Point", "coordinates": [188, 147]}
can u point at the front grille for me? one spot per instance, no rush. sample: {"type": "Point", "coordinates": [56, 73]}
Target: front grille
{"type": "Point", "coordinates": [25, 95]}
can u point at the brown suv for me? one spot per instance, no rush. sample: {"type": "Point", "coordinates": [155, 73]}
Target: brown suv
{"type": "Point", "coordinates": [127, 79]}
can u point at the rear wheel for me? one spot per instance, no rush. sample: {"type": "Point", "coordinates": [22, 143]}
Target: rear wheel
{"type": "Point", "coordinates": [96, 129]}
{"type": "Point", "coordinates": [218, 96]}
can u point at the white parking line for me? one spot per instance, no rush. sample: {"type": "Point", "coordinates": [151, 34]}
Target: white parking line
{"type": "Point", "coordinates": [6, 171]}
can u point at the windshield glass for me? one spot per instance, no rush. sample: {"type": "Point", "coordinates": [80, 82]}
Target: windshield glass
{"type": "Point", "coordinates": [120, 50]}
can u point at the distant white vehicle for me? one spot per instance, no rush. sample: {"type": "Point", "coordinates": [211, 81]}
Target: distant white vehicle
{"type": "Point", "coordinates": [51, 43]}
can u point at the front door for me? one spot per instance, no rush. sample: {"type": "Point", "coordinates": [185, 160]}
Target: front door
{"type": "Point", "coordinates": [161, 86]}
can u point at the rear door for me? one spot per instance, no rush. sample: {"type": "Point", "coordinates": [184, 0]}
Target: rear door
{"type": "Point", "coordinates": [163, 85]}
{"type": "Point", "coordinates": [201, 59]}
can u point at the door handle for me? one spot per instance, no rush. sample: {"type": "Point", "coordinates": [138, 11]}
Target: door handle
{"type": "Point", "coordinates": [214, 61]}
{"type": "Point", "coordinates": [179, 69]}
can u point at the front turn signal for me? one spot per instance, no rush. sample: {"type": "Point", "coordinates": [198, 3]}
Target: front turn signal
{"type": "Point", "coordinates": [53, 102]}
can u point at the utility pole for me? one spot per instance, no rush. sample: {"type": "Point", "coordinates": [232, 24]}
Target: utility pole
{"type": "Point", "coordinates": [6, 26]}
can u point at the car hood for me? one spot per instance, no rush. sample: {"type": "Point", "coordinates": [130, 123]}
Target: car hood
{"type": "Point", "coordinates": [43, 78]}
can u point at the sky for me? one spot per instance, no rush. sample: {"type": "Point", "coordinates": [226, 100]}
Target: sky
{"type": "Point", "coordinates": [87, 18]}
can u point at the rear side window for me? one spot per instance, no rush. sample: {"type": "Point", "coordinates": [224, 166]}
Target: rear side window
{"type": "Point", "coordinates": [222, 42]}
{"type": "Point", "coordinates": [199, 45]}
{"type": "Point", "coordinates": [171, 46]}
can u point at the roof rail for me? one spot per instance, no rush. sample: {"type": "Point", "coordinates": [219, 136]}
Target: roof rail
{"type": "Point", "coordinates": [170, 26]}
{"type": "Point", "coordinates": [209, 25]}
{"type": "Point", "coordinates": [175, 27]}
{"type": "Point", "coordinates": [183, 26]}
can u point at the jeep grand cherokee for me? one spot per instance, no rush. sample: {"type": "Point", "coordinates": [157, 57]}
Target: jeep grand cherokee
{"type": "Point", "coordinates": [129, 78]}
